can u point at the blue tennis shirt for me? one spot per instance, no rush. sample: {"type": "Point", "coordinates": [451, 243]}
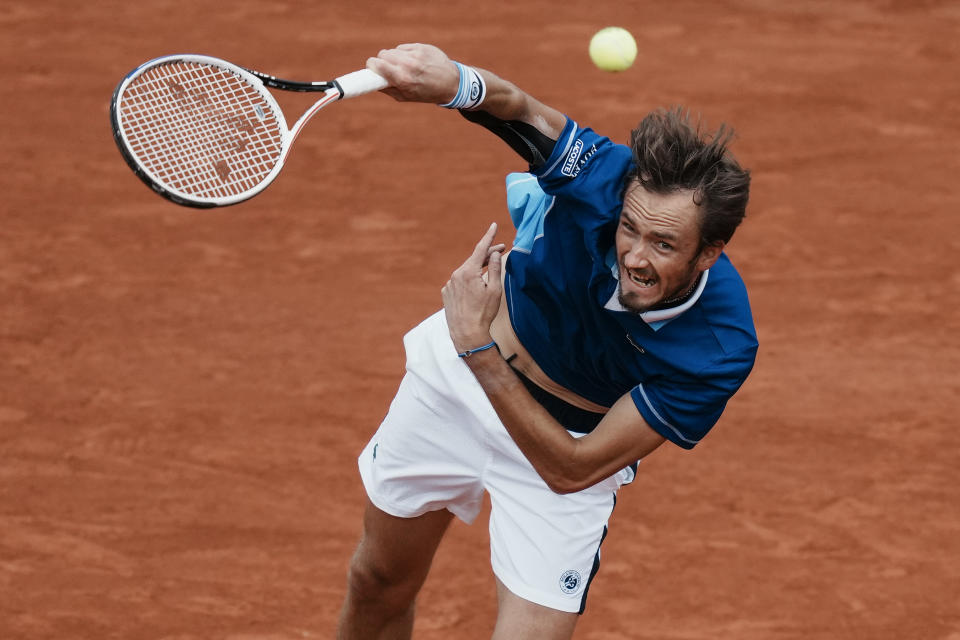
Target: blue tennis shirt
{"type": "Point", "coordinates": [680, 365]}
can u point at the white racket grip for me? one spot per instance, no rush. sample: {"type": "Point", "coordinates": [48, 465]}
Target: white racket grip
{"type": "Point", "coordinates": [360, 82]}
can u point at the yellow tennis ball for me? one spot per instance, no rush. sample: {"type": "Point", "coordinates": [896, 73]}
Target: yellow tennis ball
{"type": "Point", "coordinates": [613, 49]}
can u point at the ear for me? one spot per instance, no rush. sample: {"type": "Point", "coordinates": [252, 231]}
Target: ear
{"type": "Point", "coordinates": [709, 255]}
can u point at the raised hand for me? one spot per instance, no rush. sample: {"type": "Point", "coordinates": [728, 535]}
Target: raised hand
{"type": "Point", "coordinates": [417, 73]}
{"type": "Point", "coordinates": [471, 297]}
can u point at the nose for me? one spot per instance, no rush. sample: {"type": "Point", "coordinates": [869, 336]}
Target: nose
{"type": "Point", "coordinates": [636, 258]}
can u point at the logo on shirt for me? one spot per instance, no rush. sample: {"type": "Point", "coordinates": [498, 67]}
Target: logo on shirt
{"type": "Point", "coordinates": [570, 581]}
{"type": "Point", "coordinates": [575, 163]}
{"type": "Point", "coordinates": [572, 158]}
{"type": "Point", "coordinates": [635, 345]}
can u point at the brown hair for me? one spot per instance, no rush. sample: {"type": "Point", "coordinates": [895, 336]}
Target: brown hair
{"type": "Point", "coordinates": [670, 153]}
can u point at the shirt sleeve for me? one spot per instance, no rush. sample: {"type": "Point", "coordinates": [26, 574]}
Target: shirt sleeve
{"type": "Point", "coordinates": [587, 168]}
{"type": "Point", "coordinates": [526, 201]}
{"type": "Point", "coordinates": [684, 408]}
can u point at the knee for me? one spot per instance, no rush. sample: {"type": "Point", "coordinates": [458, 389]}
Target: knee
{"type": "Point", "coordinates": [369, 581]}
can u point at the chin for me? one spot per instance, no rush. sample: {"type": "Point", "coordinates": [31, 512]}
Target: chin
{"type": "Point", "coordinates": [636, 303]}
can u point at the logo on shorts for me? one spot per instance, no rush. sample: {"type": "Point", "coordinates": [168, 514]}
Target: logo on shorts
{"type": "Point", "coordinates": [375, 450]}
{"type": "Point", "coordinates": [570, 581]}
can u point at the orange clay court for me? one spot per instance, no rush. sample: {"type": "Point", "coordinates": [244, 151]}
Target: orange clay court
{"type": "Point", "coordinates": [183, 393]}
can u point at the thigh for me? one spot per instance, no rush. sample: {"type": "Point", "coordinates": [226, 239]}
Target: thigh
{"type": "Point", "coordinates": [426, 456]}
{"type": "Point", "coordinates": [399, 550]}
{"type": "Point", "coordinates": [519, 619]}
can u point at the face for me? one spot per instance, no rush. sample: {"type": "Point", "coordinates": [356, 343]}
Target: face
{"type": "Point", "coordinates": [657, 247]}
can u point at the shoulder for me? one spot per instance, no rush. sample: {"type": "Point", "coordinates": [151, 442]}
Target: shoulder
{"type": "Point", "coordinates": [726, 308]}
{"type": "Point", "coordinates": [715, 336]}
{"type": "Point", "coordinates": [583, 155]}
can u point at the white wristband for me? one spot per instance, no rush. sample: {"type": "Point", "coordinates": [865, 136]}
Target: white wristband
{"type": "Point", "coordinates": [471, 91]}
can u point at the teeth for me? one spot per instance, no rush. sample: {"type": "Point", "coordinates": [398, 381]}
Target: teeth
{"type": "Point", "coordinates": [643, 282]}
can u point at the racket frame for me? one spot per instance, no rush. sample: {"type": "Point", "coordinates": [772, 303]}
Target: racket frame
{"type": "Point", "coordinates": [258, 81]}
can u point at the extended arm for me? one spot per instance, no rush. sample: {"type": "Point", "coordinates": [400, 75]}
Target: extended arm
{"type": "Point", "coordinates": [565, 463]}
{"type": "Point", "coordinates": [424, 73]}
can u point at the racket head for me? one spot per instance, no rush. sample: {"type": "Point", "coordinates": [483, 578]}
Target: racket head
{"type": "Point", "coordinates": [200, 131]}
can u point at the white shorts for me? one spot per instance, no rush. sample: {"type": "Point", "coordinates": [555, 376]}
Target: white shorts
{"type": "Point", "coordinates": [442, 445]}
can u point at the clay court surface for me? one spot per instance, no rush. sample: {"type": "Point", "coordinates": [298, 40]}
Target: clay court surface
{"type": "Point", "coordinates": [183, 393]}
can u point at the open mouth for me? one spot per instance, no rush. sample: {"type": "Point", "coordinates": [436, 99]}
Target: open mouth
{"type": "Point", "coordinates": [640, 280]}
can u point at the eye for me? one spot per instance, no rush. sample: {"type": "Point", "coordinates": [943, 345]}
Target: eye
{"type": "Point", "coordinates": [665, 246]}
{"type": "Point", "coordinates": [626, 225]}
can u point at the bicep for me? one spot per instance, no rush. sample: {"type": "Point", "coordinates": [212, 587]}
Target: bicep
{"type": "Point", "coordinates": [620, 439]}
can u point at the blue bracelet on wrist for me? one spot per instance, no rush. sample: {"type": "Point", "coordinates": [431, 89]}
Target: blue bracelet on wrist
{"type": "Point", "coordinates": [470, 352]}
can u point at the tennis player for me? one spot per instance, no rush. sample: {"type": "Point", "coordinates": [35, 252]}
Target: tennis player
{"type": "Point", "coordinates": [615, 323]}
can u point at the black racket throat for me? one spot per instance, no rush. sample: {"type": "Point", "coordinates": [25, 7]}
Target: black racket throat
{"type": "Point", "coordinates": [294, 85]}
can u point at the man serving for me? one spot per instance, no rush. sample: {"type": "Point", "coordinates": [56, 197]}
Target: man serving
{"type": "Point", "coordinates": [615, 323]}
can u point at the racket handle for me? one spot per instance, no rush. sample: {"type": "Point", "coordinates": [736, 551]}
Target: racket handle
{"type": "Point", "coordinates": [360, 82]}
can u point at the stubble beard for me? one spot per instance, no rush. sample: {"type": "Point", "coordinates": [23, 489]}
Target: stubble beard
{"type": "Point", "coordinates": [689, 280]}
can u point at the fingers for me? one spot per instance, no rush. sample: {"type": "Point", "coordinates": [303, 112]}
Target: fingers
{"type": "Point", "coordinates": [497, 248]}
{"type": "Point", "coordinates": [392, 64]}
{"type": "Point", "coordinates": [482, 251]}
{"type": "Point", "coordinates": [386, 71]}
{"type": "Point", "coordinates": [471, 298]}
{"type": "Point", "coordinates": [416, 73]}
{"type": "Point", "coordinates": [494, 265]}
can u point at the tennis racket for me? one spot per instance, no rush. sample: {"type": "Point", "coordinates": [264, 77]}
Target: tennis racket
{"type": "Point", "coordinates": [203, 132]}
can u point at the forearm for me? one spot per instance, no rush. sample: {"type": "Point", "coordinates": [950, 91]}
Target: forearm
{"type": "Point", "coordinates": [505, 101]}
{"type": "Point", "coordinates": [424, 73]}
{"type": "Point", "coordinates": [545, 443]}
{"type": "Point", "coordinates": [567, 464]}
{"type": "Point", "coordinates": [528, 126]}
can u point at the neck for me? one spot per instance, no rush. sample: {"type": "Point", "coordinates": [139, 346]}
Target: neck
{"type": "Point", "coordinates": [680, 298]}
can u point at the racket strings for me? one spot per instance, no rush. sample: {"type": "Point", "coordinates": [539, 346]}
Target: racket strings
{"type": "Point", "coordinates": [201, 129]}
